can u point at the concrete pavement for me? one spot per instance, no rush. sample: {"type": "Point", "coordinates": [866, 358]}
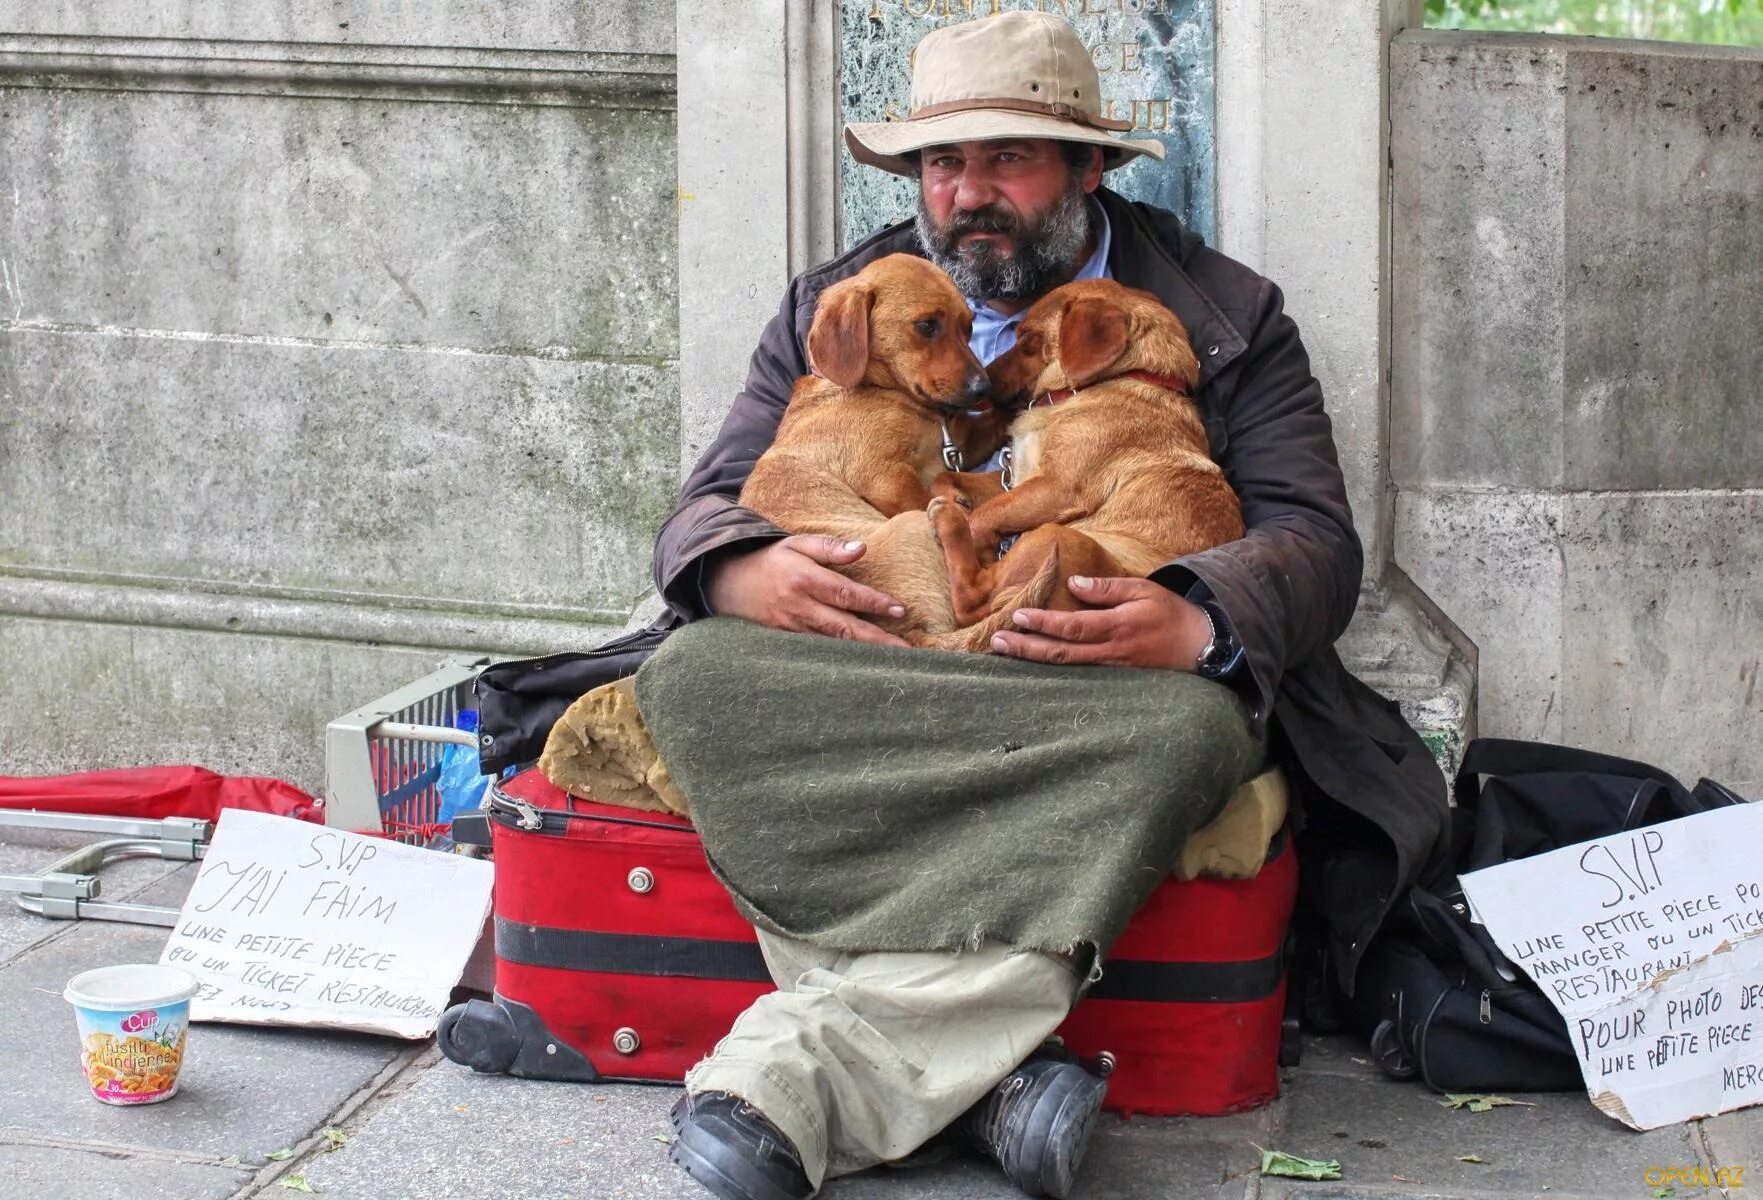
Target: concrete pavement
{"type": "Point", "coordinates": [414, 1125]}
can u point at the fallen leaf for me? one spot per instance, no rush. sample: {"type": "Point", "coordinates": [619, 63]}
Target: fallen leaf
{"type": "Point", "coordinates": [1290, 1166]}
{"type": "Point", "coordinates": [1664, 1193]}
{"type": "Point", "coordinates": [297, 1183]}
{"type": "Point", "coordinates": [336, 1137]}
{"type": "Point", "coordinates": [662, 1138]}
{"type": "Point", "coordinates": [1402, 1179]}
{"type": "Point", "coordinates": [1470, 1158]}
{"type": "Point", "coordinates": [231, 1160]}
{"type": "Point", "coordinates": [459, 1108]}
{"type": "Point", "coordinates": [279, 1155]}
{"type": "Point", "coordinates": [1476, 1102]}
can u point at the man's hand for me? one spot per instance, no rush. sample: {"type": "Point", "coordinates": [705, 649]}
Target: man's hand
{"type": "Point", "coordinates": [790, 585]}
{"type": "Point", "coordinates": [1134, 623]}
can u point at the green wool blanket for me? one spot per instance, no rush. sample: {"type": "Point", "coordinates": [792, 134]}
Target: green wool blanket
{"type": "Point", "coordinates": [863, 797]}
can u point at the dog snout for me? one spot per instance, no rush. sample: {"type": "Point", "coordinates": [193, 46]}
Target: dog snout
{"type": "Point", "coordinates": [978, 384]}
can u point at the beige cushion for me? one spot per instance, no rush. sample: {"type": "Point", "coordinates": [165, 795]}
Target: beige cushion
{"type": "Point", "coordinates": [1233, 845]}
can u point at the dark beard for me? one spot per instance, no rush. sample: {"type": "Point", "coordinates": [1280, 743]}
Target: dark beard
{"type": "Point", "coordinates": [1044, 257]}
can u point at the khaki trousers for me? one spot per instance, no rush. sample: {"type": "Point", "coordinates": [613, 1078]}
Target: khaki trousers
{"type": "Point", "coordinates": [860, 1059]}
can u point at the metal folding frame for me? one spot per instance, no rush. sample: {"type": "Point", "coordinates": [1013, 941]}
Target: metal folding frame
{"type": "Point", "coordinates": [69, 888]}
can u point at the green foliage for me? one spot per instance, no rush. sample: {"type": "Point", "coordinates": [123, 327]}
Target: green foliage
{"type": "Point", "coordinates": [1734, 22]}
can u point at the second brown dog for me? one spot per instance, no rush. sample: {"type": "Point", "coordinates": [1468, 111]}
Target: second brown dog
{"type": "Point", "coordinates": [1112, 470]}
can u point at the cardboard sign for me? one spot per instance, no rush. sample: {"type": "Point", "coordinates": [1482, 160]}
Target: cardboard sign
{"type": "Point", "coordinates": [1650, 943]}
{"type": "Point", "coordinates": [291, 923]}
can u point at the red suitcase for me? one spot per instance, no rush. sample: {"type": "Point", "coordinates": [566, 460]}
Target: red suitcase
{"type": "Point", "coordinates": [620, 957]}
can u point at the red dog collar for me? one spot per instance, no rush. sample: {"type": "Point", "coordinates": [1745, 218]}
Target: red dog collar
{"type": "Point", "coordinates": [1060, 395]}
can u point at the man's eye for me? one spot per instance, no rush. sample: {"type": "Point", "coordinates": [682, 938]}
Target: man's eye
{"type": "Point", "coordinates": [927, 327]}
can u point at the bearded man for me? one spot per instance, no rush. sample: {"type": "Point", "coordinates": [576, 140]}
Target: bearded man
{"type": "Point", "coordinates": [861, 1057]}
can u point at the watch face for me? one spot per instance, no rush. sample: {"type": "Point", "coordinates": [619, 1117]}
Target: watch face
{"type": "Point", "coordinates": [1218, 652]}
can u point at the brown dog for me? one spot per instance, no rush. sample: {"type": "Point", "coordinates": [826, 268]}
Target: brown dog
{"type": "Point", "coordinates": [1112, 471]}
{"type": "Point", "coordinates": [863, 436]}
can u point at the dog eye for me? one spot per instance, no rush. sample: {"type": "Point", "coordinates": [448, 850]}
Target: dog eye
{"type": "Point", "coordinates": [927, 327]}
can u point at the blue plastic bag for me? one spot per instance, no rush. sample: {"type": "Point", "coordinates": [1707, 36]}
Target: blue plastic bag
{"type": "Point", "coordinates": [461, 783]}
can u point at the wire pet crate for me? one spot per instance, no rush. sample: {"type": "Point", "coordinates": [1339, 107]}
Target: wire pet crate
{"type": "Point", "coordinates": [383, 761]}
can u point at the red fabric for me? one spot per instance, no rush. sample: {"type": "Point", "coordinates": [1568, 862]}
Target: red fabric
{"type": "Point", "coordinates": [151, 793]}
{"type": "Point", "coordinates": [1198, 1059]}
{"type": "Point", "coordinates": [1195, 1060]}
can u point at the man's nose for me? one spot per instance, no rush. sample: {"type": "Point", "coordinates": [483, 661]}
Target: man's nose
{"type": "Point", "coordinates": [975, 189]}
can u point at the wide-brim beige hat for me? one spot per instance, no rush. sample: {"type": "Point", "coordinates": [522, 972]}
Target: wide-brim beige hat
{"type": "Point", "coordinates": [1015, 75]}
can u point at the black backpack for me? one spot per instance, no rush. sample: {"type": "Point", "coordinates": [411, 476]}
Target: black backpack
{"type": "Point", "coordinates": [1435, 996]}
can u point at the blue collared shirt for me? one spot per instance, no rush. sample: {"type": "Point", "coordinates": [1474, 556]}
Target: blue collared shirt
{"type": "Point", "coordinates": [994, 333]}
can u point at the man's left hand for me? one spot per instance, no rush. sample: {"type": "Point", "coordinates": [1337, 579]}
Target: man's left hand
{"type": "Point", "coordinates": [1131, 623]}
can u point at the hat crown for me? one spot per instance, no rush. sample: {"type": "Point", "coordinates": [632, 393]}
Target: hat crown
{"type": "Point", "coordinates": [1026, 56]}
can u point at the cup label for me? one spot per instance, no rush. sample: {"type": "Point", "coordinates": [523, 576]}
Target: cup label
{"type": "Point", "coordinates": [133, 1058]}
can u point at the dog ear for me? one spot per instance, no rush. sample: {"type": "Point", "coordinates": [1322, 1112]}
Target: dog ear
{"type": "Point", "coordinates": [838, 341]}
{"type": "Point", "coordinates": [1092, 337]}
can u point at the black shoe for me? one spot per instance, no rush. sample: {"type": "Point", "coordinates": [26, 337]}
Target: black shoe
{"type": "Point", "coordinates": [728, 1146]}
{"type": "Point", "coordinates": [1037, 1122]}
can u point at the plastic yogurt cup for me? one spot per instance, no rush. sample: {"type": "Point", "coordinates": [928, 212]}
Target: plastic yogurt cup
{"type": "Point", "coordinates": [133, 1022]}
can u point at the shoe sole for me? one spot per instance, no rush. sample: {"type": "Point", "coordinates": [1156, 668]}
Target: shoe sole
{"type": "Point", "coordinates": [723, 1178]}
{"type": "Point", "coordinates": [1073, 1102]}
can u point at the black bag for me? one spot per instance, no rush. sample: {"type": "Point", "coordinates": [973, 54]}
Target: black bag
{"type": "Point", "coordinates": [519, 701]}
{"type": "Point", "coordinates": [1435, 995]}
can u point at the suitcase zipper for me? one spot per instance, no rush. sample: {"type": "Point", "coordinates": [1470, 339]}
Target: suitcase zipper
{"type": "Point", "coordinates": [512, 810]}
{"type": "Point", "coordinates": [527, 817]}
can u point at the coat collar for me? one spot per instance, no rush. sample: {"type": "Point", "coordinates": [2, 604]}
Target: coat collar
{"type": "Point", "coordinates": [1139, 259]}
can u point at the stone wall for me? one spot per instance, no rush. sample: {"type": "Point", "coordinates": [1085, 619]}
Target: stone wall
{"type": "Point", "coordinates": [1576, 450]}
{"type": "Point", "coordinates": [329, 343]}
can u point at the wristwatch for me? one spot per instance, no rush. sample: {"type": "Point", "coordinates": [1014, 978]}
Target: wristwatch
{"type": "Point", "coordinates": [1221, 654]}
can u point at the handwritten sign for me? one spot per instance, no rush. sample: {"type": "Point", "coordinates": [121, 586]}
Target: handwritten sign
{"type": "Point", "coordinates": [1650, 943]}
{"type": "Point", "coordinates": [290, 923]}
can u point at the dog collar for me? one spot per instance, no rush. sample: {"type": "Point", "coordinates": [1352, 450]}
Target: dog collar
{"type": "Point", "coordinates": [1061, 395]}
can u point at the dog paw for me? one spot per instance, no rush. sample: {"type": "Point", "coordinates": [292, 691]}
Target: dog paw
{"type": "Point", "coordinates": [944, 487]}
{"type": "Point", "coordinates": [934, 510]}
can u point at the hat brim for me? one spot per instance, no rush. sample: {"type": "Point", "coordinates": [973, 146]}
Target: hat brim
{"type": "Point", "coordinates": [888, 144]}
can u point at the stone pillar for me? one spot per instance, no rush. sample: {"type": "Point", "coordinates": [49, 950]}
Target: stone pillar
{"type": "Point", "coordinates": [1303, 149]}
{"type": "Point", "coordinates": [1304, 197]}
{"type": "Point", "coordinates": [756, 184]}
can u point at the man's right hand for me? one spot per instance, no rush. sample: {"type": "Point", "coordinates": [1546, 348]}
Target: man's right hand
{"type": "Point", "coordinates": [790, 584]}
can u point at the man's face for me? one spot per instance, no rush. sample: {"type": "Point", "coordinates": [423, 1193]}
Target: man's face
{"type": "Point", "coordinates": [1008, 219]}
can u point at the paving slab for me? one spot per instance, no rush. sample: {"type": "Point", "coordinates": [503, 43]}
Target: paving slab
{"type": "Point", "coordinates": [242, 1091]}
{"type": "Point", "coordinates": [45, 1172]}
{"type": "Point", "coordinates": [456, 1135]}
{"type": "Point", "coordinates": [1735, 1139]}
{"type": "Point", "coordinates": [1380, 1129]}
